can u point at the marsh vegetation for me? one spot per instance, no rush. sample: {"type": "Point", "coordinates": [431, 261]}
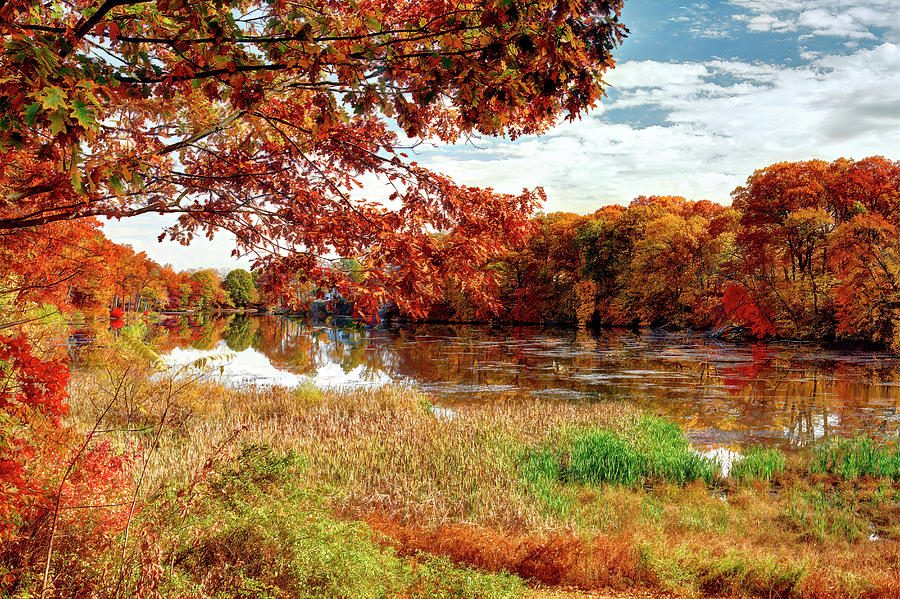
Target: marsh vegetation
{"type": "Point", "coordinates": [376, 492]}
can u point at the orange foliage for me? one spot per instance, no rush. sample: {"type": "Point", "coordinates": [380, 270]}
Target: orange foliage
{"type": "Point", "coordinates": [553, 560]}
{"type": "Point", "coordinates": [264, 120]}
{"type": "Point", "coordinates": [808, 250]}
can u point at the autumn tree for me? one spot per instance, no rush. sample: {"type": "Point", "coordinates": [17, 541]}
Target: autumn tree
{"type": "Point", "coordinates": [658, 260]}
{"type": "Point", "coordinates": [207, 291]}
{"type": "Point", "coordinates": [137, 280]}
{"type": "Point", "coordinates": [239, 284]}
{"type": "Point", "coordinates": [49, 264]}
{"type": "Point", "coordinates": [675, 264]}
{"type": "Point", "coordinates": [175, 283]}
{"type": "Point", "coordinates": [865, 256]}
{"type": "Point", "coordinates": [605, 249]}
{"type": "Point", "coordinates": [864, 251]}
{"type": "Point", "coordinates": [788, 281]}
{"type": "Point", "coordinates": [787, 217]}
{"type": "Point", "coordinates": [264, 119]}
{"type": "Point", "coordinates": [540, 278]}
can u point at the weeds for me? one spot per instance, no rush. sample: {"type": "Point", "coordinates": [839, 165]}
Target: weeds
{"type": "Point", "coordinates": [585, 496]}
{"type": "Point", "coordinates": [255, 532]}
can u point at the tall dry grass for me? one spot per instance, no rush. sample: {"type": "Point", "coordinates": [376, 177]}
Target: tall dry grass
{"type": "Point", "coordinates": [385, 449]}
{"type": "Point", "coordinates": [453, 483]}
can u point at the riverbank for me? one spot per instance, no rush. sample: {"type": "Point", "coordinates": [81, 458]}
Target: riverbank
{"type": "Point", "coordinates": [277, 490]}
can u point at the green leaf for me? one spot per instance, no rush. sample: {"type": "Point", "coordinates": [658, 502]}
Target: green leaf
{"type": "Point", "coordinates": [31, 113]}
{"type": "Point", "coordinates": [116, 184]}
{"type": "Point", "coordinates": [46, 59]}
{"type": "Point", "coordinates": [83, 115]}
{"type": "Point", "coordinates": [52, 98]}
{"type": "Point", "coordinates": [77, 183]}
{"type": "Point", "coordinates": [447, 62]}
{"type": "Point", "coordinates": [57, 122]}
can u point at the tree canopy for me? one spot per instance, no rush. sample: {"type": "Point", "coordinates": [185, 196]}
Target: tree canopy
{"type": "Point", "coordinates": [266, 118]}
{"type": "Point", "coordinates": [241, 287]}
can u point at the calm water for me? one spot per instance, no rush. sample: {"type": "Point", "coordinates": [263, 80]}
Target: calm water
{"type": "Point", "coordinates": [782, 394]}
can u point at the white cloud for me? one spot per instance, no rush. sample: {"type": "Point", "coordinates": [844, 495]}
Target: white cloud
{"type": "Point", "coordinates": [854, 19]}
{"type": "Point", "coordinates": [765, 23]}
{"type": "Point", "coordinates": [141, 233]}
{"type": "Point", "coordinates": [703, 22]}
{"type": "Point", "coordinates": [723, 120]}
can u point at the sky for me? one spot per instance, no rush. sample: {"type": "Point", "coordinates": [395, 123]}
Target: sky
{"type": "Point", "coordinates": [703, 94]}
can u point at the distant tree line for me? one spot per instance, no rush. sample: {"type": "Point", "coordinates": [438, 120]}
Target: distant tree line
{"type": "Point", "coordinates": [806, 250]}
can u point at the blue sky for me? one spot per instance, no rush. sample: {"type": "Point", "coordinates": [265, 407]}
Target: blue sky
{"type": "Point", "coordinates": [703, 94]}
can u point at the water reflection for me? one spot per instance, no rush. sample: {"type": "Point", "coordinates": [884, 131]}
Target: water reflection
{"type": "Point", "coordinates": [783, 394]}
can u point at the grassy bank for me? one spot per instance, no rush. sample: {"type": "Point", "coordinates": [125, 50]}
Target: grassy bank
{"type": "Point", "coordinates": [374, 493]}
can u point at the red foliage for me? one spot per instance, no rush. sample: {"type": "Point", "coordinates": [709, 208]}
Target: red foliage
{"type": "Point", "coordinates": [44, 265]}
{"type": "Point", "coordinates": [792, 262]}
{"type": "Point", "coordinates": [51, 479]}
{"type": "Point", "coordinates": [865, 256]}
{"type": "Point", "coordinates": [31, 402]}
{"type": "Point", "coordinates": [265, 121]}
{"type": "Point", "coordinates": [31, 382]}
{"type": "Point", "coordinates": [742, 310]}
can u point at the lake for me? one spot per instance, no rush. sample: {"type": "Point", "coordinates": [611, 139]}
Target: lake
{"type": "Point", "coordinates": [783, 394]}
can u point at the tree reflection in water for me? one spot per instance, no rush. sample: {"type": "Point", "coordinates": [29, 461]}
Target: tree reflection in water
{"type": "Point", "coordinates": [783, 394]}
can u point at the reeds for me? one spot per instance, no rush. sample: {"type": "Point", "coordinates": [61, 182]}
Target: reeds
{"type": "Point", "coordinates": [617, 497]}
{"type": "Point", "coordinates": [758, 463]}
{"type": "Point", "coordinates": [384, 448]}
{"type": "Point", "coordinates": [854, 458]}
{"type": "Point", "coordinates": [649, 450]}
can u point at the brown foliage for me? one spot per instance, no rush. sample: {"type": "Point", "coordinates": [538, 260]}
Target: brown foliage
{"type": "Point", "coordinates": [552, 559]}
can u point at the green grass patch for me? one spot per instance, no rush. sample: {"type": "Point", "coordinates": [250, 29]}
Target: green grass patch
{"type": "Point", "coordinates": [758, 463]}
{"type": "Point", "coordinates": [684, 569]}
{"type": "Point", "coordinates": [652, 450]}
{"type": "Point", "coordinates": [855, 458]}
